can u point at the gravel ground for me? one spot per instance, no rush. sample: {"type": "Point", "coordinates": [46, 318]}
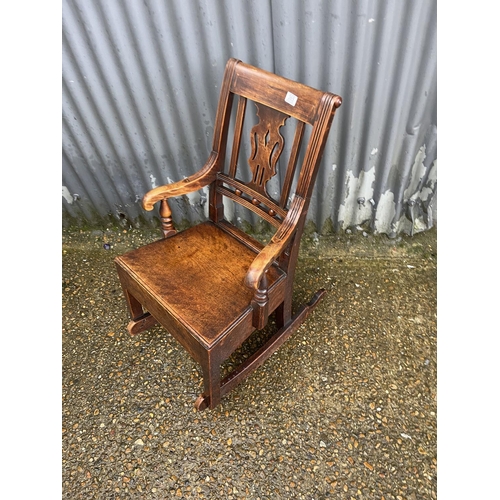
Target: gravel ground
{"type": "Point", "coordinates": [346, 409]}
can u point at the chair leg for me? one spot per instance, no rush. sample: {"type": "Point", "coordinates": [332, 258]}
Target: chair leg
{"type": "Point", "coordinates": [240, 373]}
{"type": "Point", "coordinates": [271, 346]}
{"type": "Point", "coordinates": [141, 320]}
{"type": "Point", "coordinates": [211, 380]}
{"type": "Point", "coordinates": [145, 322]}
{"type": "Point", "coordinates": [283, 313]}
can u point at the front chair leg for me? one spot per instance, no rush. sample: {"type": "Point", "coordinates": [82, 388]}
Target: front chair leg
{"type": "Point", "coordinates": [250, 364]}
{"type": "Point", "coordinates": [211, 381]}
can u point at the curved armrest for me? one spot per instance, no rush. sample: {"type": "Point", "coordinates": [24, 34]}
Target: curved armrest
{"type": "Point", "coordinates": [278, 243]}
{"type": "Point", "coordinates": [192, 183]}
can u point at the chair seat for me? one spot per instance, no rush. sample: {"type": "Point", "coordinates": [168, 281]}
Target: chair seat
{"type": "Point", "coordinates": [198, 277]}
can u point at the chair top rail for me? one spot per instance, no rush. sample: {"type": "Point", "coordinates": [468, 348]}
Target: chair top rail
{"type": "Point", "coordinates": [289, 97]}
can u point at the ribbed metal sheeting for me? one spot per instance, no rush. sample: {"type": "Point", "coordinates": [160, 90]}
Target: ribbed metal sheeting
{"type": "Point", "coordinates": [141, 82]}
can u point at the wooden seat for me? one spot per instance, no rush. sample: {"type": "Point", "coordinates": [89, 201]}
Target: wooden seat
{"type": "Point", "coordinates": [212, 285]}
{"type": "Point", "coordinates": [203, 288]}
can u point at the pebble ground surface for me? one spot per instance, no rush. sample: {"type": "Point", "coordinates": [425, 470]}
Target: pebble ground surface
{"type": "Point", "coordinates": [346, 409]}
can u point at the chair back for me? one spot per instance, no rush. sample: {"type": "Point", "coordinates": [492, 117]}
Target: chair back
{"type": "Point", "coordinates": [276, 99]}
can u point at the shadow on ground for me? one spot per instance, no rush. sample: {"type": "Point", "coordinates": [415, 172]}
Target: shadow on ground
{"type": "Point", "coordinates": [346, 409]}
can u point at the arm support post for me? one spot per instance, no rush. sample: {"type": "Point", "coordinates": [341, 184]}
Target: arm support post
{"type": "Point", "coordinates": [278, 244]}
{"type": "Point", "coordinates": [167, 225]}
{"type": "Point", "coordinates": [260, 304]}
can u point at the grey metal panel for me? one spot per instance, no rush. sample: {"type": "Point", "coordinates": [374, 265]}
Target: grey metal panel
{"type": "Point", "coordinates": [141, 82]}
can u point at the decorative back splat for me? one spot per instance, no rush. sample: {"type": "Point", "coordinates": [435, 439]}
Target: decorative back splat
{"type": "Point", "coordinates": [267, 145]}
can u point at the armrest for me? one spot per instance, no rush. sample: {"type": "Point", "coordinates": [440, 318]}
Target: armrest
{"type": "Point", "coordinates": [192, 183]}
{"type": "Point", "coordinates": [278, 243]}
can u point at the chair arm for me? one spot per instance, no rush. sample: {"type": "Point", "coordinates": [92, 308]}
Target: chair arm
{"type": "Point", "coordinates": [263, 262]}
{"type": "Point", "coordinates": [192, 183]}
{"type": "Point", "coordinates": [278, 243]}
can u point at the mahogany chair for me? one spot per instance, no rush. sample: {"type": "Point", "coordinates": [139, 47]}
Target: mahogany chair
{"type": "Point", "coordinates": [212, 285]}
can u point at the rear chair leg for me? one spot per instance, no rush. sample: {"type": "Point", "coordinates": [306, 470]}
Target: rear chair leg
{"type": "Point", "coordinates": [283, 313]}
{"type": "Point", "coordinates": [141, 320]}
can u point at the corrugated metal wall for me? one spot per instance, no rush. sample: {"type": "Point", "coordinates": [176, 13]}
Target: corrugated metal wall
{"type": "Point", "coordinates": [141, 82]}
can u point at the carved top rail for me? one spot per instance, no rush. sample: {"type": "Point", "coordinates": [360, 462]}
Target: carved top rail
{"type": "Point", "coordinates": [291, 98]}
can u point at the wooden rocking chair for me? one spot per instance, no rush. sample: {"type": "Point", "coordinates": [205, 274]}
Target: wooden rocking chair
{"type": "Point", "coordinates": [212, 285]}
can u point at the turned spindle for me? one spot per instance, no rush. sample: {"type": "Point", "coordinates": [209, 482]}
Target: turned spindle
{"type": "Point", "coordinates": [167, 225]}
{"type": "Point", "coordinates": [260, 304]}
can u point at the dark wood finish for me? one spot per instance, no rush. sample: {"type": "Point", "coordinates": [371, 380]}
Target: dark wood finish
{"type": "Point", "coordinates": [212, 285]}
{"type": "Point", "coordinates": [290, 171]}
{"type": "Point", "coordinates": [240, 116]}
{"type": "Point", "coordinates": [267, 145]}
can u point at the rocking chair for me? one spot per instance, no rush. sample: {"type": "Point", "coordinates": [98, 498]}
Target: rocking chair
{"type": "Point", "coordinates": [212, 285]}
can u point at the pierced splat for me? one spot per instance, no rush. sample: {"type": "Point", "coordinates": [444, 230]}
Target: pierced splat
{"type": "Point", "coordinates": [267, 145]}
